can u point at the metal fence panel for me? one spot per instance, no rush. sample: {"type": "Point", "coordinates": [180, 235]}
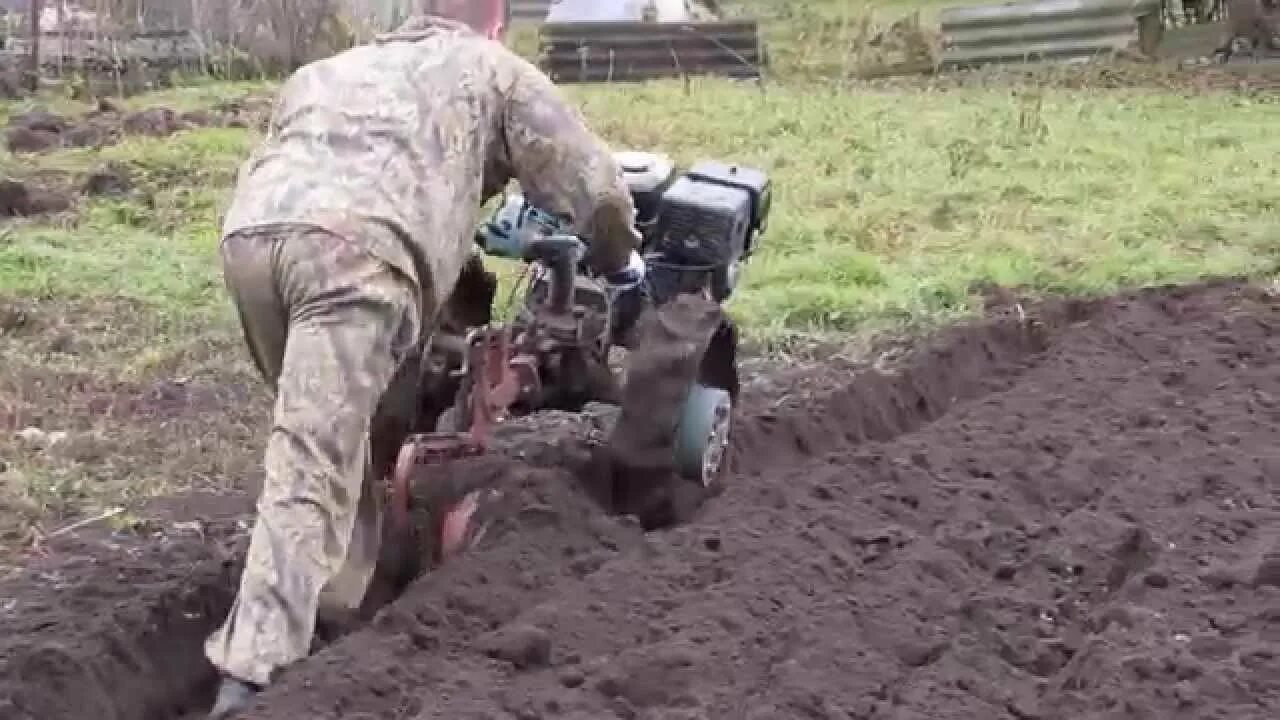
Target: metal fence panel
{"type": "Point", "coordinates": [529, 12]}
{"type": "Point", "coordinates": [1047, 30]}
{"type": "Point", "coordinates": [633, 52]}
{"type": "Point", "coordinates": [161, 48]}
{"type": "Point", "coordinates": [236, 37]}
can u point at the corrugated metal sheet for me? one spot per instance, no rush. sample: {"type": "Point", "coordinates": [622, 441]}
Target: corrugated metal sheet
{"type": "Point", "coordinates": [1033, 31]}
{"type": "Point", "coordinates": [529, 12]}
{"type": "Point", "coordinates": [632, 52]}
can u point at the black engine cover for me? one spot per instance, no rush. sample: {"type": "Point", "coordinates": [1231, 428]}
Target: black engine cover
{"type": "Point", "coordinates": [703, 223]}
{"type": "Point", "coordinates": [710, 215]}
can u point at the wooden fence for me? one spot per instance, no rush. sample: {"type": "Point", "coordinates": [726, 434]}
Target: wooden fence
{"type": "Point", "coordinates": [637, 51]}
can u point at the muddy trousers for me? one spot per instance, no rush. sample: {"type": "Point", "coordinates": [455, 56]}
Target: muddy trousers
{"type": "Point", "coordinates": [328, 325]}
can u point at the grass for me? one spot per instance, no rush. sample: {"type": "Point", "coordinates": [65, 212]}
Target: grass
{"type": "Point", "coordinates": [193, 94]}
{"type": "Point", "coordinates": [893, 208]}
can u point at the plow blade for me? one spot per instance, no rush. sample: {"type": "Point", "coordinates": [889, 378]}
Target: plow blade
{"type": "Point", "coordinates": [604, 52]}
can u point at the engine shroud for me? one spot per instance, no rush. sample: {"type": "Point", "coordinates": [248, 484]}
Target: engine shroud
{"type": "Point", "coordinates": [697, 225]}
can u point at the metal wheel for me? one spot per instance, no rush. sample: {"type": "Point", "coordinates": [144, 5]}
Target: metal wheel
{"type": "Point", "coordinates": [702, 436]}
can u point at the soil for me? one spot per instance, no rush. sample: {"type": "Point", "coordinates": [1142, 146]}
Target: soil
{"type": "Point", "coordinates": [1066, 510]}
{"type": "Point", "coordinates": [74, 432]}
{"type": "Point", "coordinates": [38, 131]}
{"type": "Point", "coordinates": [22, 199]}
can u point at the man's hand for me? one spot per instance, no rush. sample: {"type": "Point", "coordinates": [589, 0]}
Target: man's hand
{"type": "Point", "coordinates": [563, 168]}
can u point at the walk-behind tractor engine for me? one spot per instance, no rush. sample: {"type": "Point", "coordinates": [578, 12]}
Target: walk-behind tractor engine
{"type": "Point", "coordinates": [698, 227]}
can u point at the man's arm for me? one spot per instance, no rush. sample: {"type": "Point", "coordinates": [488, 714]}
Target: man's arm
{"type": "Point", "coordinates": [566, 169]}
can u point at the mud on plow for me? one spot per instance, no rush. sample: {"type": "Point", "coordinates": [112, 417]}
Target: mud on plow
{"type": "Point", "coordinates": [676, 396]}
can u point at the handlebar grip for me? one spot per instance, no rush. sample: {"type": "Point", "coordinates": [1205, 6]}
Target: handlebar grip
{"type": "Point", "coordinates": [550, 248]}
{"type": "Point", "coordinates": [560, 253]}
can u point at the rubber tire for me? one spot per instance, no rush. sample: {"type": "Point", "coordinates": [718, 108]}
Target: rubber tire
{"type": "Point", "coordinates": [724, 281]}
{"type": "Point", "coordinates": [693, 433]}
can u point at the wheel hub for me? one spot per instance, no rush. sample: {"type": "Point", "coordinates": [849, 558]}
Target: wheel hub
{"type": "Point", "coordinates": [717, 443]}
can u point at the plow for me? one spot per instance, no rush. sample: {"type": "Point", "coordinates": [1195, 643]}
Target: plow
{"type": "Point", "coordinates": [676, 393]}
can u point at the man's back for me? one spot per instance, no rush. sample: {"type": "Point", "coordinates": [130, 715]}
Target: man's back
{"type": "Point", "coordinates": [402, 140]}
{"type": "Point", "coordinates": [392, 137]}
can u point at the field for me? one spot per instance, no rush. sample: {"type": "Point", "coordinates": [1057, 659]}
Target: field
{"type": "Point", "coordinates": [1006, 448]}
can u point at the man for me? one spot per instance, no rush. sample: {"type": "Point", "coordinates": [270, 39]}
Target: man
{"type": "Point", "coordinates": [346, 235]}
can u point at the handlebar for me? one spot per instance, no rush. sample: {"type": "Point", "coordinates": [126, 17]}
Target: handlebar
{"type": "Point", "coordinates": [521, 231]}
{"type": "Point", "coordinates": [561, 254]}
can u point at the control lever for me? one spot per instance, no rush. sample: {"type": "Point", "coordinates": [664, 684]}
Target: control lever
{"type": "Point", "coordinates": [561, 254]}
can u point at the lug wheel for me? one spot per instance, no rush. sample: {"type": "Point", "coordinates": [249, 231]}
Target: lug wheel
{"type": "Point", "coordinates": [702, 435]}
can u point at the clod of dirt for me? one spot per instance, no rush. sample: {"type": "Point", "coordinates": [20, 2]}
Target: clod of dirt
{"type": "Point", "coordinates": [1268, 571]}
{"type": "Point", "coordinates": [111, 180]}
{"type": "Point", "coordinates": [245, 112]}
{"type": "Point", "coordinates": [41, 120]}
{"type": "Point", "coordinates": [14, 199]}
{"type": "Point", "coordinates": [47, 202]}
{"type": "Point", "coordinates": [199, 119]}
{"type": "Point", "coordinates": [13, 317]}
{"type": "Point", "coordinates": [650, 679]}
{"type": "Point", "coordinates": [29, 140]}
{"type": "Point", "coordinates": [10, 84]}
{"type": "Point", "coordinates": [19, 200]}
{"type": "Point", "coordinates": [155, 122]}
{"type": "Point", "coordinates": [87, 135]}
{"type": "Point", "coordinates": [524, 646]}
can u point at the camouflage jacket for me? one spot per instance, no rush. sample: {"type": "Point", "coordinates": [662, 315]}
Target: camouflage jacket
{"type": "Point", "coordinates": [402, 140]}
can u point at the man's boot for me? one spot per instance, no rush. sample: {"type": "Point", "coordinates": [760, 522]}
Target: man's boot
{"type": "Point", "coordinates": [233, 697]}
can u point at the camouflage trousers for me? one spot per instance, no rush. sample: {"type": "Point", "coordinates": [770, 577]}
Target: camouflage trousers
{"type": "Point", "coordinates": [329, 326]}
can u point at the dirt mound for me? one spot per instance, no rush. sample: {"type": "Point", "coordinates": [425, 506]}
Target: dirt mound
{"type": "Point", "coordinates": [23, 199]}
{"type": "Point", "coordinates": [1085, 535]}
{"type": "Point", "coordinates": [38, 131]}
{"type": "Point", "coordinates": [1066, 515]}
{"type": "Point", "coordinates": [112, 179]}
{"type": "Point", "coordinates": [544, 534]}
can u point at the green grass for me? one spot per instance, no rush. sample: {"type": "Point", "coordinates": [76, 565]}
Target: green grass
{"type": "Point", "coordinates": [890, 206]}
{"type": "Point", "coordinates": [156, 246]}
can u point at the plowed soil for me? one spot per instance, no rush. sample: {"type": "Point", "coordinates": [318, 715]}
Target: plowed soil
{"type": "Point", "coordinates": [1062, 511]}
